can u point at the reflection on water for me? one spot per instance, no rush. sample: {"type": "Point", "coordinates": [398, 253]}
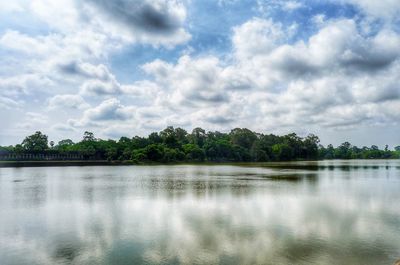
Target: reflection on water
{"type": "Point", "coordinates": [330, 212]}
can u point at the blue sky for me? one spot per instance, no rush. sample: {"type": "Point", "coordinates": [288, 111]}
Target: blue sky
{"type": "Point", "coordinates": [129, 67]}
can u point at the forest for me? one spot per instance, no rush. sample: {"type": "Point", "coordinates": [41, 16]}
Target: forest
{"type": "Point", "coordinates": [177, 145]}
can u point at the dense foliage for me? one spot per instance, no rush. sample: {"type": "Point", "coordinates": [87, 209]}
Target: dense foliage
{"type": "Point", "coordinates": [176, 144]}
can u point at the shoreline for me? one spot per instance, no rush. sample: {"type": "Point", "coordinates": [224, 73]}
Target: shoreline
{"type": "Point", "coordinates": [293, 164]}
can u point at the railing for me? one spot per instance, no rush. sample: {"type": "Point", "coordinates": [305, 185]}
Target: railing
{"type": "Point", "coordinates": [42, 157]}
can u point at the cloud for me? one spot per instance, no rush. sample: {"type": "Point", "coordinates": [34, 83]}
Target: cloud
{"type": "Point", "coordinates": [387, 9]}
{"type": "Point", "coordinates": [41, 45]}
{"type": "Point", "coordinates": [24, 84]}
{"type": "Point", "coordinates": [108, 110]}
{"type": "Point", "coordinates": [291, 5]}
{"type": "Point", "coordinates": [217, 119]}
{"type": "Point", "coordinates": [257, 36]}
{"type": "Point", "coordinates": [36, 117]}
{"type": "Point", "coordinates": [159, 23]}
{"type": "Point", "coordinates": [63, 127]}
{"type": "Point", "coordinates": [32, 120]}
{"type": "Point", "coordinates": [101, 88]}
{"type": "Point", "coordinates": [67, 101]}
{"type": "Point", "coordinates": [336, 47]}
{"type": "Point", "coordinates": [85, 70]}
{"type": "Point", "coordinates": [156, 17]}
{"type": "Point", "coordinates": [271, 83]}
{"type": "Point", "coordinates": [191, 82]}
{"type": "Point", "coordinates": [8, 6]}
{"type": "Point", "coordinates": [8, 103]}
{"type": "Point", "coordinates": [331, 72]}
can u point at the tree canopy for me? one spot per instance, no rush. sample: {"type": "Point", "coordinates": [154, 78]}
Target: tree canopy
{"type": "Point", "coordinates": [176, 144]}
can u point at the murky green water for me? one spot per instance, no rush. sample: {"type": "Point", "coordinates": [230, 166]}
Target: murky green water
{"type": "Point", "coordinates": [335, 212]}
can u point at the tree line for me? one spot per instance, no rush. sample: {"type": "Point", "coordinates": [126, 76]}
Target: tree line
{"type": "Point", "coordinates": [176, 145]}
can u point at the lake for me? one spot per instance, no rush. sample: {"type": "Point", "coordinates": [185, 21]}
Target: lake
{"type": "Point", "coordinates": [327, 212]}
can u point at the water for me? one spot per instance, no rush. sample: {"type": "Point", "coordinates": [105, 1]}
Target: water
{"type": "Point", "coordinates": [334, 212]}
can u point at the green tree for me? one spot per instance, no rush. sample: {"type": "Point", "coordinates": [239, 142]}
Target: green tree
{"type": "Point", "coordinates": [64, 145]}
{"type": "Point", "coordinates": [343, 151]}
{"type": "Point", "coordinates": [88, 137]}
{"type": "Point", "coordinates": [193, 152]}
{"type": "Point", "coordinates": [243, 137]}
{"type": "Point", "coordinates": [87, 151]}
{"type": "Point", "coordinates": [35, 143]}
{"type": "Point", "coordinates": [198, 136]}
{"type": "Point", "coordinates": [296, 144]}
{"type": "Point", "coordinates": [154, 152]}
{"type": "Point", "coordinates": [257, 152]}
{"type": "Point", "coordinates": [169, 137]}
{"type": "Point", "coordinates": [111, 153]}
{"type": "Point", "coordinates": [282, 152]}
{"type": "Point", "coordinates": [155, 138]}
{"type": "Point", "coordinates": [138, 155]}
{"type": "Point", "coordinates": [311, 146]}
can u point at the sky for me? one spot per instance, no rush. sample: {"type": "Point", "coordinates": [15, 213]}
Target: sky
{"type": "Point", "coordinates": [129, 67]}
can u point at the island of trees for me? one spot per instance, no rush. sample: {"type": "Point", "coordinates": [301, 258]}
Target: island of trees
{"type": "Point", "coordinates": [176, 145]}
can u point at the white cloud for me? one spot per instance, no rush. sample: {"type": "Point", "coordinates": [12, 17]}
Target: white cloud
{"type": "Point", "coordinates": [24, 84]}
{"type": "Point", "coordinates": [191, 82]}
{"type": "Point", "coordinates": [256, 36]}
{"type": "Point", "coordinates": [33, 46]}
{"type": "Point", "coordinates": [291, 5]}
{"type": "Point", "coordinates": [8, 103]}
{"type": "Point", "coordinates": [63, 127]}
{"type": "Point", "coordinates": [67, 101]}
{"type": "Point", "coordinates": [155, 22]}
{"type": "Point", "coordinates": [108, 110]}
{"type": "Point", "coordinates": [387, 9]}
{"type": "Point", "coordinates": [278, 85]}
{"type": "Point", "coordinates": [339, 76]}
{"type": "Point", "coordinates": [98, 87]}
{"type": "Point", "coordinates": [10, 6]}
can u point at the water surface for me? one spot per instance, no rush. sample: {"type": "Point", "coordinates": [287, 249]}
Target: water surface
{"type": "Point", "coordinates": [329, 212]}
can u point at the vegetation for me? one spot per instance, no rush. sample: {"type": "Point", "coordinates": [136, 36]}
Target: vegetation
{"type": "Point", "coordinates": [176, 144]}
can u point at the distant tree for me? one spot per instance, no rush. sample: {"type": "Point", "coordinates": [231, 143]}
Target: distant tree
{"type": "Point", "coordinates": [343, 151]}
{"type": "Point", "coordinates": [138, 155]}
{"type": "Point", "coordinates": [19, 149]}
{"type": "Point", "coordinates": [296, 144]}
{"type": "Point", "coordinates": [198, 136]}
{"type": "Point", "coordinates": [154, 152]}
{"type": "Point", "coordinates": [181, 135]}
{"type": "Point", "coordinates": [311, 146]}
{"type": "Point", "coordinates": [257, 152]}
{"type": "Point", "coordinates": [111, 153]}
{"type": "Point", "coordinates": [175, 144]}
{"type": "Point", "coordinates": [88, 137]}
{"type": "Point", "coordinates": [125, 154]}
{"type": "Point", "coordinates": [139, 142]}
{"type": "Point", "coordinates": [125, 141]}
{"type": "Point", "coordinates": [282, 152]}
{"type": "Point", "coordinates": [66, 142]}
{"type": "Point", "coordinates": [330, 152]}
{"type": "Point", "coordinates": [194, 152]}
{"type": "Point", "coordinates": [87, 151]}
{"type": "Point", "coordinates": [155, 138]}
{"type": "Point", "coordinates": [36, 143]}
{"type": "Point", "coordinates": [243, 137]}
{"type": "Point", "coordinates": [169, 137]}
{"type": "Point", "coordinates": [170, 155]}
{"type": "Point", "coordinates": [240, 153]}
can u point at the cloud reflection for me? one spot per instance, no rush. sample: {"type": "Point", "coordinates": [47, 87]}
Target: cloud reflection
{"type": "Point", "coordinates": [199, 215]}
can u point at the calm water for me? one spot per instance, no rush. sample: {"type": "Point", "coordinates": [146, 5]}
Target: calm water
{"type": "Point", "coordinates": [333, 212]}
